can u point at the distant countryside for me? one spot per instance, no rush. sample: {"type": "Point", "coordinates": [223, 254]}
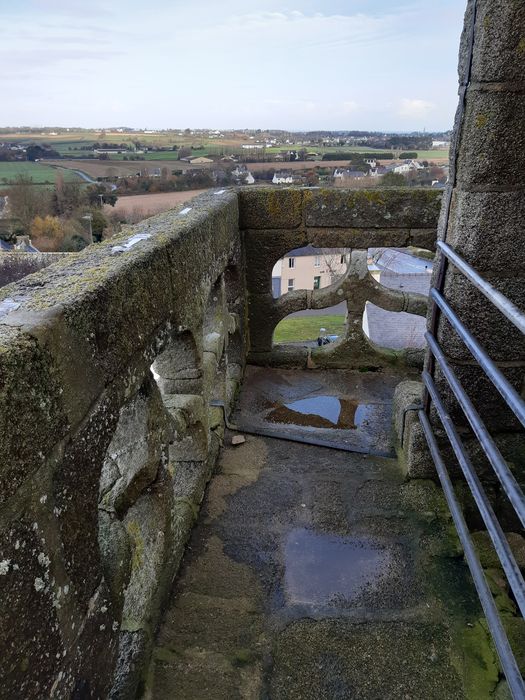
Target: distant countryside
{"type": "Point", "coordinates": [65, 188]}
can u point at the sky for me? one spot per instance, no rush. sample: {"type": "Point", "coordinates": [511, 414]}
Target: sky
{"type": "Point", "coordinates": [383, 65]}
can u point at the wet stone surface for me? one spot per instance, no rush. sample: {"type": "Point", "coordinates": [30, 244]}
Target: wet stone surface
{"type": "Point", "coordinates": [321, 569]}
{"type": "Point", "coordinates": [315, 573]}
{"type": "Point", "coordinates": [342, 407]}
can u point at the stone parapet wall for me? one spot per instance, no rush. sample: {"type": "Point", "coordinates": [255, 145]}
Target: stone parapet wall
{"type": "Point", "coordinates": [117, 368]}
{"type": "Point", "coordinates": [274, 222]}
{"type": "Point", "coordinates": [109, 361]}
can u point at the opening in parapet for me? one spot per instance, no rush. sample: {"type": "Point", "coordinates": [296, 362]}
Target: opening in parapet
{"type": "Point", "coordinates": [309, 268]}
{"type": "Point", "coordinates": [312, 327]}
{"type": "Point", "coordinates": [316, 270]}
{"type": "Point", "coordinates": [406, 270]}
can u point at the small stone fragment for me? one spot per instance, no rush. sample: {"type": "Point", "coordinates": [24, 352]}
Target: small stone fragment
{"type": "Point", "coordinates": [238, 439]}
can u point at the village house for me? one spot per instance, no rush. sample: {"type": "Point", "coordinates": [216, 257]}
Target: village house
{"type": "Point", "coordinates": [243, 175]}
{"type": "Point", "coordinates": [343, 176]}
{"type": "Point", "coordinates": [407, 167]}
{"type": "Point", "coordinates": [283, 177]}
{"type": "Point", "coordinates": [308, 268]}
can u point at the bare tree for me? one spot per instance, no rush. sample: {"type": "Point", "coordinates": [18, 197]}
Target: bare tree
{"type": "Point", "coordinates": [337, 263]}
{"type": "Point", "coordinates": [27, 200]}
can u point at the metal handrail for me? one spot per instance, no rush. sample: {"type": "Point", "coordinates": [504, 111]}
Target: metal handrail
{"type": "Point", "coordinates": [499, 465]}
{"type": "Point", "coordinates": [507, 480]}
{"type": "Point", "coordinates": [507, 307]}
{"type": "Point", "coordinates": [494, 529]}
{"type": "Point", "coordinates": [496, 376]}
{"type": "Point", "coordinates": [508, 662]}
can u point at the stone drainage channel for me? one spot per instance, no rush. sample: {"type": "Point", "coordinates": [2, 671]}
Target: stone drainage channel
{"type": "Point", "coordinates": [318, 573]}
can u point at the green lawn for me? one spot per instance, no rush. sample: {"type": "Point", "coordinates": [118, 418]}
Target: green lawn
{"type": "Point", "coordinates": [302, 328]}
{"type": "Point", "coordinates": [432, 155]}
{"type": "Point", "coordinates": [41, 173]}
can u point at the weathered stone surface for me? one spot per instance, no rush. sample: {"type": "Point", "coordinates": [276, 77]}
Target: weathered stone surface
{"type": "Point", "coordinates": [500, 216]}
{"type": "Point", "coordinates": [134, 650]}
{"type": "Point", "coordinates": [150, 533]}
{"type": "Point", "coordinates": [75, 496]}
{"type": "Point", "coordinates": [115, 554]}
{"type": "Point", "coordinates": [31, 412]}
{"type": "Point", "coordinates": [344, 652]}
{"type": "Point", "coordinates": [136, 449]}
{"type": "Point", "coordinates": [177, 369]}
{"type": "Point", "coordinates": [364, 237]}
{"type": "Point", "coordinates": [85, 671]}
{"type": "Point", "coordinates": [263, 250]}
{"type": "Point", "coordinates": [75, 350]}
{"type": "Point", "coordinates": [500, 51]}
{"type": "Point", "coordinates": [496, 334]}
{"type": "Point", "coordinates": [486, 160]}
{"type": "Point", "coordinates": [267, 208]}
{"type": "Point", "coordinates": [416, 458]}
{"type": "Point", "coordinates": [29, 634]}
{"type": "Point", "coordinates": [189, 481]}
{"type": "Point", "coordinates": [486, 399]}
{"type": "Point", "coordinates": [191, 443]}
{"type": "Point", "coordinates": [487, 554]}
{"type": "Point", "coordinates": [416, 208]}
{"type": "Point", "coordinates": [407, 394]}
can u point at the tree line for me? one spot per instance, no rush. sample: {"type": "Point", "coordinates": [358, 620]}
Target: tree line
{"type": "Point", "coordinates": [65, 218]}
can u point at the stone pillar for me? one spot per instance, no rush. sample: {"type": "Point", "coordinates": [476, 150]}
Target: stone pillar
{"type": "Point", "coordinates": [486, 225]}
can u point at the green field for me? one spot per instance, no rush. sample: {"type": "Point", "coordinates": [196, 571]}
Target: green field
{"type": "Point", "coordinates": [42, 174]}
{"type": "Point", "coordinates": [66, 143]}
{"type": "Point", "coordinates": [299, 328]}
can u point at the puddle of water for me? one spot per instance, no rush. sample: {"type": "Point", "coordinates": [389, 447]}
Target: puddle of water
{"type": "Point", "coordinates": [322, 412]}
{"type": "Point", "coordinates": [322, 569]}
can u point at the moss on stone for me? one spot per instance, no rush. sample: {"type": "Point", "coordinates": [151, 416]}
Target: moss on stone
{"type": "Point", "coordinates": [137, 557]}
{"type": "Point", "coordinates": [515, 629]}
{"type": "Point", "coordinates": [475, 661]}
{"type": "Point", "coordinates": [242, 657]}
{"type": "Point", "coordinates": [481, 121]}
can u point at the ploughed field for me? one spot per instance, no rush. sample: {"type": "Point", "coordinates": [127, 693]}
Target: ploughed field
{"type": "Point", "coordinates": [150, 204]}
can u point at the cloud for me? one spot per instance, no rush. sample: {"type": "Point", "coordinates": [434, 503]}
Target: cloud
{"type": "Point", "coordinates": [413, 108]}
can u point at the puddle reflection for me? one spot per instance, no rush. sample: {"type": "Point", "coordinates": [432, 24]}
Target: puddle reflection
{"type": "Point", "coordinates": [322, 412]}
{"type": "Point", "coordinates": [321, 568]}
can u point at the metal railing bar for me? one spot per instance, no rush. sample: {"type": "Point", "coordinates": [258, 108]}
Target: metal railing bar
{"type": "Point", "coordinates": [505, 654]}
{"type": "Point", "coordinates": [496, 534]}
{"type": "Point", "coordinates": [507, 391]}
{"type": "Point", "coordinates": [500, 301]}
{"type": "Point", "coordinates": [507, 480]}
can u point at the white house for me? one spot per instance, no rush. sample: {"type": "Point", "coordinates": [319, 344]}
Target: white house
{"type": "Point", "coordinates": [241, 172]}
{"type": "Point", "coordinates": [407, 166]}
{"type": "Point", "coordinates": [283, 178]}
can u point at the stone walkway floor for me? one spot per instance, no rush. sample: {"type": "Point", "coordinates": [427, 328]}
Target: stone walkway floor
{"type": "Point", "coordinates": [316, 574]}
